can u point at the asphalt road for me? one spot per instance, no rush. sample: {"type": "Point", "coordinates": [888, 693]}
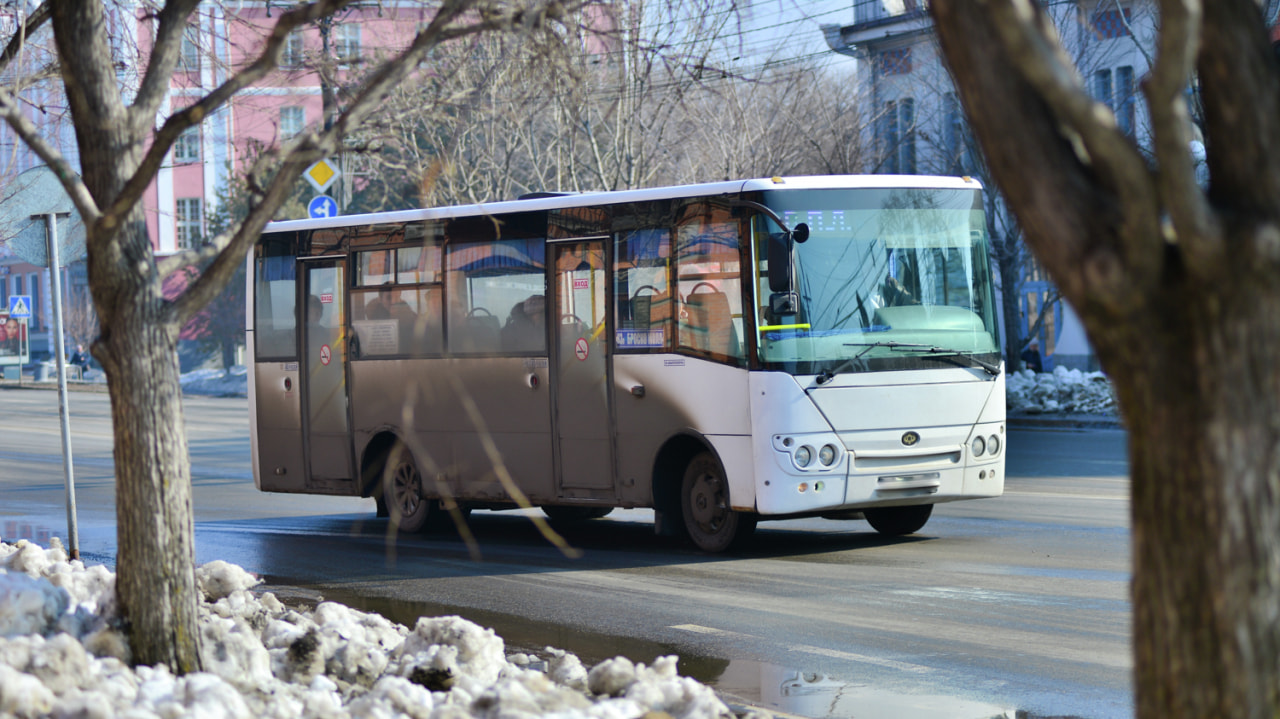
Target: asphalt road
{"type": "Point", "coordinates": [1015, 603]}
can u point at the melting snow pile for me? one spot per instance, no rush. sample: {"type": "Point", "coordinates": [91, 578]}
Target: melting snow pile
{"type": "Point", "coordinates": [220, 383]}
{"type": "Point", "coordinates": [63, 654]}
{"type": "Point", "coordinates": [1061, 390]}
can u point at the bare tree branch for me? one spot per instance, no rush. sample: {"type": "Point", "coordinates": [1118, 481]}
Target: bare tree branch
{"type": "Point", "coordinates": [18, 42]}
{"type": "Point", "coordinates": [1028, 37]}
{"type": "Point", "coordinates": [27, 131]}
{"type": "Point", "coordinates": [1193, 224]}
{"type": "Point", "coordinates": [193, 115]}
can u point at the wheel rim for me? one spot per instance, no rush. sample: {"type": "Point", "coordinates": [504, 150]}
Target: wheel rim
{"type": "Point", "coordinates": [408, 489]}
{"type": "Point", "coordinates": [707, 502]}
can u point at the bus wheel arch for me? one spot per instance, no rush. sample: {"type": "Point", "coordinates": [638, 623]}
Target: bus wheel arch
{"type": "Point", "coordinates": [391, 475]}
{"type": "Point", "coordinates": [691, 496]}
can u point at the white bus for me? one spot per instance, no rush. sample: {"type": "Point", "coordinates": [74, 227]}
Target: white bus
{"type": "Point", "coordinates": [722, 353]}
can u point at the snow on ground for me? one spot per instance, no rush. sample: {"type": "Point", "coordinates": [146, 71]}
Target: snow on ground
{"type": "Point", "coordinates": [63, 654]}
{"type": "Point", "coordinates": [1062, 390]}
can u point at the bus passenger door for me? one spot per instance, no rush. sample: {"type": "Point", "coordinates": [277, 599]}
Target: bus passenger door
{"type": "Point", "coordinates": [323, 377]}
{"type": "Point", "coordinates": [580, 346]}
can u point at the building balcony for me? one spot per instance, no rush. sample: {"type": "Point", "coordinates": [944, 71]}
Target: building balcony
{"type": "Point", "coordinates": [878, 20]}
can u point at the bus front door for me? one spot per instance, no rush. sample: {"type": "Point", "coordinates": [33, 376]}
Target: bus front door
{"type": "Point", "coordinates": [580, 346]}
{"type": "Point", "coordinates": [323, 378]}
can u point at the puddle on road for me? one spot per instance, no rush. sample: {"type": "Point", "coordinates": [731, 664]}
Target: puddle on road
{"type": "Point", "coordinates": [741, 683]}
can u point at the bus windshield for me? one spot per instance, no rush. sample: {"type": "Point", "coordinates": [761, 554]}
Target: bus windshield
{"type": "Point", "coordinates": [889, 279]}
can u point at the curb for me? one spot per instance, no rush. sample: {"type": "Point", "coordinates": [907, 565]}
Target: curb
{"type": "Point", "coordinates": [1064, 421]}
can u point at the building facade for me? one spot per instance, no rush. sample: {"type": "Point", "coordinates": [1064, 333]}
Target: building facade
{"type": "Point", "coordinates": [222, 36]}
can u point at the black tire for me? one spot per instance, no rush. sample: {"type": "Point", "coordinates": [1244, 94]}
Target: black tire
{"type": "Point", "coordinates": [402, 491]}
{"type": "Point", "coordinates": [896, 521]}
{"type": "Point", "coordinates": [704, 502]}
{"type": "Point", "coordinates": [561, 513]}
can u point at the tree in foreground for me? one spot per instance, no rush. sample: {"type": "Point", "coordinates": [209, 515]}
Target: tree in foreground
{"type": "Point", "coordinates": [121, 149]}
{"type": "Point", "coordinates": [1179, 291]}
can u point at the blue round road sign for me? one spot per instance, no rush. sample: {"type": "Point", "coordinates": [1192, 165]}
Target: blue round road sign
{"type": "Point", "coordinates": [322, 206]}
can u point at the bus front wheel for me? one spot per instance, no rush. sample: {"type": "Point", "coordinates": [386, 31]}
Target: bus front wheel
{"type": "Point", "coordinates": [896, 521]}
{"type": "Point", "coordinates": [402, 491]}
{"type": "Point", "coordinates": [704, 500]}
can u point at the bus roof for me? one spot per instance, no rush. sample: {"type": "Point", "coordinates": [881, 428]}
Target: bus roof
{"type": "Point", "coordinates": [587, 199]}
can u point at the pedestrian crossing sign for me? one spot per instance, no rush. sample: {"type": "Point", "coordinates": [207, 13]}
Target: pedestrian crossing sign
{"type": "Point", "coordinates": [20, 307]}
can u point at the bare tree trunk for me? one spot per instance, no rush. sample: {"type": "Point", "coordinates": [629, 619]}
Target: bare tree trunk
{"type": "Point", "coordinates": [1180, 299]}
{"type": "Point", "coordinates": [155, 579]}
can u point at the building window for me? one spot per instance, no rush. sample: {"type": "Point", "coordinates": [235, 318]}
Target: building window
{"type": "Point", "coordinates": [347, 43]}
{"type": "Point", "coordinates": [189, 51]}
{"type": "Point", "coordinates": [1125, 107]}
{"type": "Point", "coordinates": [895, 62]}
{"type": "Point", "coordinates": [899, 136]}
{"type": "Point", "coordinates": [1102, 91]}
{"type": "Point", "coordinates": [293, 120]}
{"type": "Point", "coordinates": [292, 54]}
{"type": "Point", "coordinates": [187, 146]}
{"type": "Point", "coordinates": [1110, 24]}
{"type": "Point", "coordinates": [188, 216]}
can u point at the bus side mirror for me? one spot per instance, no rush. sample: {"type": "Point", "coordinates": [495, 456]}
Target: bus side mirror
{"type": "Point", "coordinates": [779, 262]}
{"type": "Point", "coordinates": [783, 304]}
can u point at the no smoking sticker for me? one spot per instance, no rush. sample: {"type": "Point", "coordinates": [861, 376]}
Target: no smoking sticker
{"type": "Point", "coordinates": [580, 348]}
{"type": "Point", "coordinates": [326, 354]}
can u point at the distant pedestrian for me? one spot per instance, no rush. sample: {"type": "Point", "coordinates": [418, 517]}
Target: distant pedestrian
{"type": "Point", "coordinates": [1031, 357]}
{"type": "Point", "coordinates": [80, 358]}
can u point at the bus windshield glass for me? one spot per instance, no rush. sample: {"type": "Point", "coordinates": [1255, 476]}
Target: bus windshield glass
{"type": "Point", "coordinates": [889, 279]}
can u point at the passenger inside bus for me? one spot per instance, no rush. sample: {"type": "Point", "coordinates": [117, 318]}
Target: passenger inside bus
{"type": "Point", "coordinates": [526, 326]}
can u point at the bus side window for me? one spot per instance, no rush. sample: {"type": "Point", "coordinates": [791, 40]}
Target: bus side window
{"type": "Point", "coordinates": [708, 265]}
{"type": "Point", "coordinates": [486, 281]}
{"type": "Point", "coordinates": [642, 303]}
{"type": "Point", "coordinates": [275, 300]}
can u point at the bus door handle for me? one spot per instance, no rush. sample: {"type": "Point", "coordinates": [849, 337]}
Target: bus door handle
{"type": "Point", "coordinates": [638, 390]}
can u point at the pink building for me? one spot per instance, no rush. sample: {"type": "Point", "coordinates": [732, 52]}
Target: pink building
{"type": "Point", "coordinates": [223, 36]}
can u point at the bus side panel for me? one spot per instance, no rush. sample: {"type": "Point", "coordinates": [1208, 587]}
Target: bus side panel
{"type": "Point", "coordinates": [278, 419]}
{"type": "Point", "coordinates": [680, 395]}
{"type": "Point", "coordinates": [516, 419]}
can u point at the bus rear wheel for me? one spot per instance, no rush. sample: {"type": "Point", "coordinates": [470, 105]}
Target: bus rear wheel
{"type": "Point", "coordinates": [897, 521]}
{"type": "Point", "coordinates": [402, 491]}
{"type": "Point", "coordinates": [704, 502]}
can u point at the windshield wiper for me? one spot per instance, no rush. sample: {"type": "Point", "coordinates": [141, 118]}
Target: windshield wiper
{"type": "Point", "coordinates": [955, 357]}
{"type": "Point", "coordinates": [827, 375]}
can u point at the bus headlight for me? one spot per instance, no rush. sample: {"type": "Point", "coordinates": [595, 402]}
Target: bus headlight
{"type": "Point", "coordinates": [978, 446]}
{"type": "Point", "coordinates": [993, 445]}
{"type": "Point", "coordinates": [827, 455]}
{"type": "Point", "coordinates": [804, 456]}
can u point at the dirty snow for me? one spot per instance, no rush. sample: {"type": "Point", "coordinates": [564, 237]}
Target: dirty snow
{"type": "Point", "coordinates": [1062, 390]}
{"type": "Point", "coordinates": [63, 654]}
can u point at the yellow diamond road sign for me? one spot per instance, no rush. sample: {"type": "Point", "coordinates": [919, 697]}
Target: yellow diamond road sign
{"type": "Point", "coordinates": [322, 174]}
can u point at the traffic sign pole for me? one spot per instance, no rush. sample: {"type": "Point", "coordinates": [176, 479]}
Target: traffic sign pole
{"type": "Point", "coordinates": [64, 410]}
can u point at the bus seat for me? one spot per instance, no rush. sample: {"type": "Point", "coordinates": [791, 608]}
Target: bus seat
{"type": "Point", "coordinates": [711, 323]}
{"type": "Point", "coordinates": [651, 310]}
{"type": "Point", "coordinates": [482, 333]}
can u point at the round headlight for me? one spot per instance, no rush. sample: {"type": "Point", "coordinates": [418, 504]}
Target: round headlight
{"type": "Point", "coordinates": [827, 455]}
{"type": "Point", "coordinates": [993, 444]}
{"type": "Point", "coordinates": [804, 456]}
{"type": "Point", "coordinates": [978, 446]}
